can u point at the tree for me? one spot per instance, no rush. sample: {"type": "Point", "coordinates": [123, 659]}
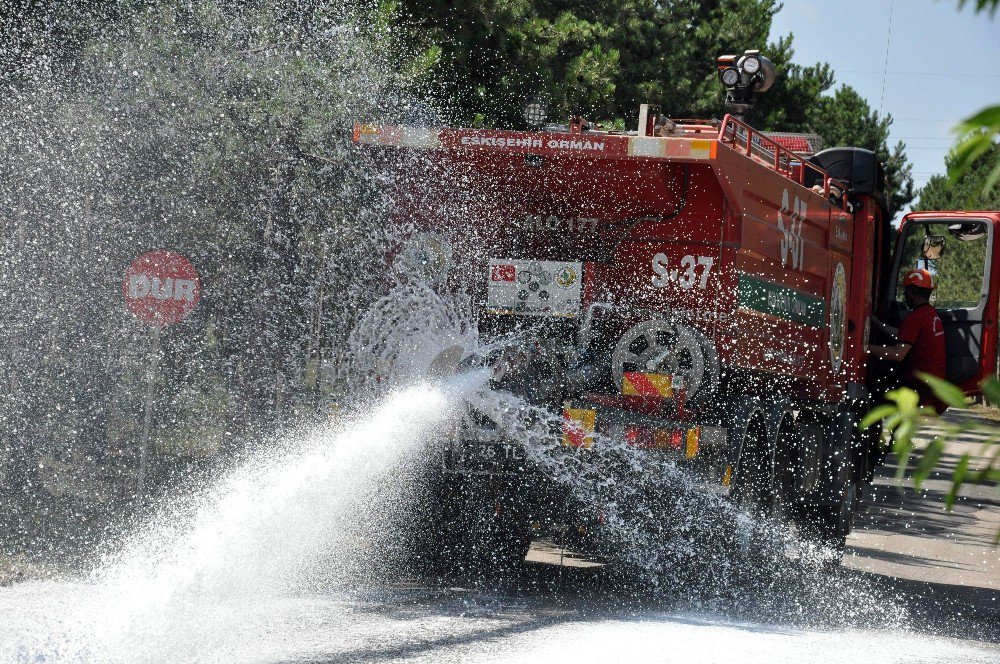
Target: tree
{"type": "Point", "coordinates": [602, 59]}
{"type": "Point", "coordinates": [217, 129]}
{"type": "Point", "coordinates": [847, 119]}
{"type": "Point", "coordinates": [982, 5]}
{"type": "Point", "coordinates": [598, 59]}
{"type": "Point", "coordinates": [969, 189]}
{"type": "Point", "coordinates": [977, 134]}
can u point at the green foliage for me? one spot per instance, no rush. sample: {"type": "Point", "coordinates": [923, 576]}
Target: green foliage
{"type": "Point", "coordinates": [965, 189]}
{"type": "Point", "coordinates": [901, 420]}
{"type": "Point", "coordinates": [981, 5]}
{"type": "Point", "coordinates": [978, 136]}
{"type": "Point", "coordinates": [991, 390]}
{"type": "Point", "coordinates": [950, 394]}
{"type": "Point", "coordinates": [602, 59]}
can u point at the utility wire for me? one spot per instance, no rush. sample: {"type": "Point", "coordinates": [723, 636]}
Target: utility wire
{"type": "Point", "coordinates": [885, 66]}
{"type": "Point", "coordinates": [918, 73]}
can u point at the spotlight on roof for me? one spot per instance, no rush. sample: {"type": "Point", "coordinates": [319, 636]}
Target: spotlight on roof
{"type": "Point", "coordinates": [536, 110]}
{"type": "Point", "coordinates": [744, 76]}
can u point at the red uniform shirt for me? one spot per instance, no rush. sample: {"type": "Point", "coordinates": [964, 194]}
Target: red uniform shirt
{"type": "Point", "coordinates": [924, 331]}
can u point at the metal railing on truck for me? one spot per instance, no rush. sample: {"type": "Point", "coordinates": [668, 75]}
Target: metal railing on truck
{"type": "Point", "coordinates": [768, 152]}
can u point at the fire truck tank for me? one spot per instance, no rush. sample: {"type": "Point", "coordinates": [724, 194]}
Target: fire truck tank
{"type": "Point", "coordinates": [711, 227]}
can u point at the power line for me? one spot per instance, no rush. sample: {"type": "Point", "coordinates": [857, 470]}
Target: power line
{"type": "Point", "coordinates": [885, 65]}
{"type": "Point", "coordinates": [915, 73]}
{"type": "Point", "coordinates": [937, 120]}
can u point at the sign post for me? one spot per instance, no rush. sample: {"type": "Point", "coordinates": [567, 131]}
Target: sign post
{"type": "Point", "coordinates": [161, 288]}
{"type": "Point", "coordinates": [151, 374]}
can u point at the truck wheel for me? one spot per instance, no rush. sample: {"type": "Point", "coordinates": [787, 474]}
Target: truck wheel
{"type": "Point", "coordinates": [808, 456]}
{"type": "Point", "coordinates": [824, 520]}
{"type": "Point", "coordinates": [752, 486]}
{"type": "Point", "coordinates": [483, 556]}
{"type": "Point", "coordinates": [829, 525]}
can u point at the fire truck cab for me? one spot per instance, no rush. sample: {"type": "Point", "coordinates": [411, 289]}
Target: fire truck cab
{"type": "Point", "coordinates": [959, 249]}
{"type": "Point", "coordinates": [700, 287]}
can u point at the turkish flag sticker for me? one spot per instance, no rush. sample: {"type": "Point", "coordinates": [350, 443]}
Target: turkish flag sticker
{"type": "Point", "coordinates": [503, 273]}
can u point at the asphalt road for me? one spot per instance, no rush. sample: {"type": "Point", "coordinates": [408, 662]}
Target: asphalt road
{"type": "Point", "coordinates": [947, 561]}
{"type": "Point", "coordinates": [918, 584]}
{"type": "Point", "coordinates": [909, 534]}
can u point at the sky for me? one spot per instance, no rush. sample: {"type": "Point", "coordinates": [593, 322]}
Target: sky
{"type": "Point", "coordinates": [929, 65]}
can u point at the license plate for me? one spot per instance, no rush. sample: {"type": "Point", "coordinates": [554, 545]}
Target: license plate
{"type": "Point", "coordinates": [475, 457]}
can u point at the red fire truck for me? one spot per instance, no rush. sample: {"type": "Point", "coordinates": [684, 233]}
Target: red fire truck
{"type": "Point", "coordinates": [700, 287]}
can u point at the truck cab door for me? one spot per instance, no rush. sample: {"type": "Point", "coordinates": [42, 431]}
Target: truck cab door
{"type": "Point", "coordinates": [958, 251]}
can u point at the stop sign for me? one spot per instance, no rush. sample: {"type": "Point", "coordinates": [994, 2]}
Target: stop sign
{"type": "Point", "coordinates": [161, 288]}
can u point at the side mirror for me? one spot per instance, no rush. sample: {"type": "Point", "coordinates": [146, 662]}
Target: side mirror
{"type": "Point", "coordinates": [933, 248]}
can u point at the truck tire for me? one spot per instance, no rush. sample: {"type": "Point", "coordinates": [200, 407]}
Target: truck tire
{"type": "Point", "coordinates": [752, 485]}
{"type": "Point", "coordinates": [829, 525]}
{"type": "Point", "coordinates": [808, 458]}
{"type": "Point", "coordinates": [820, 518]}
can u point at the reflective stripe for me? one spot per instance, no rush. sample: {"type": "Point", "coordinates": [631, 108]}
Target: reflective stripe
{"type": "Point", "coordinates": [404, 137]}
{"type": "Point", "coordinates": [643, 146]}
{"type": "Point", "coordinates": [692, 443]}
{"type": "Point", "coordinates": [578, 427]}
{"type": "Point", "coordinates": [420, 138]}
{"type": "Point", "coordinates": [638, 384]}
{"type": "Point", "coordinates": [657, 147]}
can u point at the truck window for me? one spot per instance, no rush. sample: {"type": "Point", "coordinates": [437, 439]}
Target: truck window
{"type": "Point", "coordinates": [954, 253]}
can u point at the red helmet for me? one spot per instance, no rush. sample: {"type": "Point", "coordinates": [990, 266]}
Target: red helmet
{"type": "Point", "coordinates": [919, 278]}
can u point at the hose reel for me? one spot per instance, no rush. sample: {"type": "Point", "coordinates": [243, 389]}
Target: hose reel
{"type": "Point", "coordinates": [665, 347]}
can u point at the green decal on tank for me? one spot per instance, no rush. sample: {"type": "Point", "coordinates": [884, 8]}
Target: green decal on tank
{"type": "Point", "coordinates": [781, 301]}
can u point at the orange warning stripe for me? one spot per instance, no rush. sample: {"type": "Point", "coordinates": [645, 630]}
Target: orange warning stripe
{"type": "Point", "coordinates": [691, 449]}
{"type": "Point", "coordinates": [703, 149]}
{"type": "Point", "coordinates": [578, 427]}
{"type": "Point", "coordinates": [366, 133]}
{"type": "Point", "coordinates": [646, 385]}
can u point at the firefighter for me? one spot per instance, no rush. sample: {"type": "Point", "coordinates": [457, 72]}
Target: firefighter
{"type": "Point", "coordinates": [919, 343]}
